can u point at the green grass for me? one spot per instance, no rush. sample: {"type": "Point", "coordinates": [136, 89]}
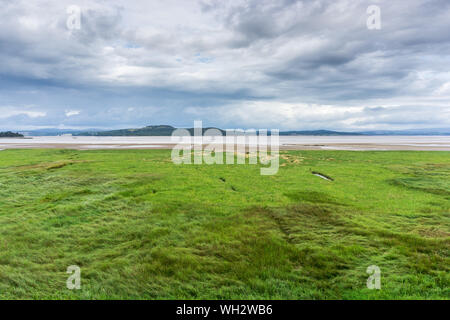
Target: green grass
{"type": "Point", "coordinates": [141, 227]}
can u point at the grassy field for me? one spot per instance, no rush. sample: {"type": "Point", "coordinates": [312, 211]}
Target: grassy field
{"type": "Point", "coordinates": [141, 227]}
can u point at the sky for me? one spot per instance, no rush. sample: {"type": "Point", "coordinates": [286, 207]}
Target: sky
{"type": "Point", "coordinates": [285, 64]}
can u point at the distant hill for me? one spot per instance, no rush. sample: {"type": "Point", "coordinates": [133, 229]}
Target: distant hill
{"type": "Point", "coordinates": [166, 130]}
{"type": "Point", "coordinates": [9, 134]}
{"type": "Point", "coordinates": [410, 132]}
{"type": "Point", "coordinates": [160, 130]}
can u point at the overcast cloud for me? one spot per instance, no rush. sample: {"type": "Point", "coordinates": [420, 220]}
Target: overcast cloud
{"type": "Point", "coordinates": [264, 64]}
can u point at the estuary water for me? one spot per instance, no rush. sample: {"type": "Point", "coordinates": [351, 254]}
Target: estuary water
{"type": "Point", "coordinates": [285, 142]}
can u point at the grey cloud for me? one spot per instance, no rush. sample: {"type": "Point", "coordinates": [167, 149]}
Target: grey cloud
{"type": "Point", "coordinates": [213, 55]}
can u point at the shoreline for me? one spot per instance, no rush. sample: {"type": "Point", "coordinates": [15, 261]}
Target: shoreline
{"type": "Point", "coordinates": [350, 143]}
{"type": "Point", "coordinates": [282, 147]}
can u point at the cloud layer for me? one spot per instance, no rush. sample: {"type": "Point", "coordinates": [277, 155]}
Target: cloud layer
{"type": "Point", "coordinates": [254, 63]}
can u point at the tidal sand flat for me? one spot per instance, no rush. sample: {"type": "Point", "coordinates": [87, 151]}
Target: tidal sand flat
{"type": "Point", "coordinates": [355, 143]}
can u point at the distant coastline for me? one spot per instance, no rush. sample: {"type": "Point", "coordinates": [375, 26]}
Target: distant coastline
{"type": "Point", "coordinates": [9, 134]}
{"type": "Point", "coordinates": [166, 130]}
